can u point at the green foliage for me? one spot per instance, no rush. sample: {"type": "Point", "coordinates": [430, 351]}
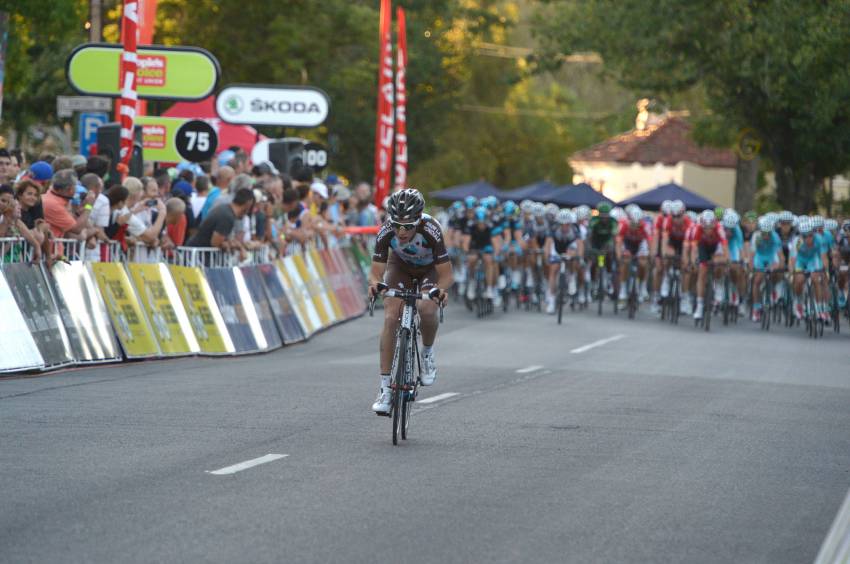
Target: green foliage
{"type": "Point", "coordinates": [777, 66]}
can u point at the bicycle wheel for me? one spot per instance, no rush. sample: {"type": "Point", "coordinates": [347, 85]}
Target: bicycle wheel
{"type": "Point", "coordinates": [600, 289]}
{"type": "Point", "coordinates": [409, 393]}
{"type": "Point", "coordinates": [708, 298]}
{"type": "Point", "coordinates": [631, 288]}
{"type": "Point", "coordinates": [398, 385]}
{"type": "Point", "coordinates": [562, 283]}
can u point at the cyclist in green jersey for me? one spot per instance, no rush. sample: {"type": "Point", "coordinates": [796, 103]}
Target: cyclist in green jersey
{"type": "Point", "coordinates": [601, 231]}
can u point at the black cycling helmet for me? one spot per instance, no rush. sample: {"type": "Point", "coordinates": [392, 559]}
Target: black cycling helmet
{"type": "Point", "coordinates": [405, 205]}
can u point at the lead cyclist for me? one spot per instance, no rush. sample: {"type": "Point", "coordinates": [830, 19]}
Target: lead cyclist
{"type": "Point", "coordinates": [409, 246]}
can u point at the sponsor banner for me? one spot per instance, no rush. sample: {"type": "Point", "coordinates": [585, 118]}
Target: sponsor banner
{"type": "Point", "coordinates": [202, 310]}
{"type": "Point", "coordinates": [385, 114]}
{"type": "Point", "coordinates": [285, 315]}
{"type": "Point", "coordinates": [222, 282]}
{"type": "Point", "coordinates": [18, 350]}
{"type": "Point", "coordinates": [339, 283]}
{"type": "Point", "coordinates": [401, 103]}
{"type": "Point", "coordinates": [83, 313]}
{"type": "Point", "coordinates": [158, 135]}
{"type": "Point", "coordinates": [314, 289]}
{"type": "Point", "coordinates": [32, 293]}
{"type": "Point", "coordinates": [262, 306]}
{"type": "Point", "coordinates": [350, 272]}
{"type": "Point", "coordinates": [125, 311]}
{"type": "Point", "coordinates": [162, 305]}
{"type": "Point", "coordinates": [323, 276]}
{"type": "Point", "coordinates": [162, 73]}
{"type": "Point", "coordinates": [289, 106]}
{"type": "Point", "coordinates": [357, 270]}
{"type": "Point", "coordinates": [297, 289]}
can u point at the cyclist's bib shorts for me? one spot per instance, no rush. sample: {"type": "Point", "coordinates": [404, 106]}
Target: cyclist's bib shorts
{"type": "Point", "coordinates": [400, 275]}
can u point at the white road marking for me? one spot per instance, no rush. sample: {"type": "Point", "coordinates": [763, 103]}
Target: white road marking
{"type": "Point", "coordinates": [595, 344]}
{"type": "Point", "coordinates": [247, 464]}
{"type": "Point", "coordinates": [527, 369]}
{"type": "Point", "coordinates": [836, 545]}
{"type": "Point", "coordinates": [437, 398]}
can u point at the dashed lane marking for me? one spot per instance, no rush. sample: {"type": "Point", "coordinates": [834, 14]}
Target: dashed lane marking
{"type": "Point", "coordinates": [527, 369]}
{"type": "Point", "coordinates": [247, 464]}
{"type": "Point", "coordinates": [595, 344]}
{"type": "Point", "coordinates": [433, 399]}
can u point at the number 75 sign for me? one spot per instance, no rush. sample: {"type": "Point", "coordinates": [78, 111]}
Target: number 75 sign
{"type": "Point", "coordinates": [172, 140]}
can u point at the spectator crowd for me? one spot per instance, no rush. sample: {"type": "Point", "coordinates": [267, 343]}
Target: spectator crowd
{"type": "Point", "coordinates": [228, 203]}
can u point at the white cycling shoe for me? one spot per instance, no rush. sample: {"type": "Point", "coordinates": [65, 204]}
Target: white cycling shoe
{"type": "Point", "coordinates": [429, 369]}
{"type": "Point", "coordinates": [382, 404]}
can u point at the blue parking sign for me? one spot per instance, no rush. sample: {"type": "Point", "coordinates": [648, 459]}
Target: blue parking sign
{"type": "Point", "coordinates": [88, 130]}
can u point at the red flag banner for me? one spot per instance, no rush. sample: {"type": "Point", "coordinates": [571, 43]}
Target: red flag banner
{"type": "Point", "coordinates": [401, 103]}
{"type": "Point", "coordinates": [127, 112]}
{"type": "Point", "coordinates": [147, 21]}
{"type": "Point", "coordinates": [384, 128]}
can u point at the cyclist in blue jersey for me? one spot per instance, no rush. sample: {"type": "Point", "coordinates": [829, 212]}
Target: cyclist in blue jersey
{"type": "Point", "coordinates": [766, 247]}
{"type": "Point", "coordinates": [478, 240]}
{"type": "Point", "coordinates": [735, 239]}
{"type": "Point", "coordinates": [807, 256]}
{"type": "Point", "coordinates": [514, 241]}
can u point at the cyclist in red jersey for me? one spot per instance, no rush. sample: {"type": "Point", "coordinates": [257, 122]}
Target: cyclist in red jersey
{"type": "Point", "coordinates": [657, 251]}
{"type": "Point", "coordinates": [708, 243]}
{"type": "Point", "coordinates": [674, 234]}
{"type": "Point", "coordinates": [633, 240]}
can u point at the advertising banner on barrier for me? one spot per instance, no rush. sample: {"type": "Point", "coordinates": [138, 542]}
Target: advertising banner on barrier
{"type": "Point", "coordinates": [355, 269]}
{"type": "Point", "coordinates": [222, 282]}
{"type": "Point", "coordinates": [18, 350]}
{"type": "Point", "coordinates": [354, 295]}
{"type": "Point", "coordinates": [201, 309]}
{"type": "Point", "coordinates": [251, 312]}
{"type": "Point", "coordinates": [83, 313]}
{"type": "Point", "coordinates": [162, 305]}
{"type": "Point", "coordinates": [313, 288]}
{"type": "Point", "coordinates": [297, 290]}
{"type": "Point", "coordinates": [36, 304]}
{"type": "Point", "coordinates": [256, 289]}
{"type": "Point", "coordinates": [352, 278]}
{"type": "Point", "coordinates": [323, 276]}
{"type": "Point", "coordinates": [338, 283]}
{"type": "Point", "coordinates": [284, 314]}
{"type": "Point", "coordinates": [125, 311]}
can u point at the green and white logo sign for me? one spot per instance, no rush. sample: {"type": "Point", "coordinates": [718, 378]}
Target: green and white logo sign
{"type": "Point", "coordinates": [164, 73]}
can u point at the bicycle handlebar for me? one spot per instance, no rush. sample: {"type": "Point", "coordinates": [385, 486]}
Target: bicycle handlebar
{"type": "Point", "coordinates": [386, 291]}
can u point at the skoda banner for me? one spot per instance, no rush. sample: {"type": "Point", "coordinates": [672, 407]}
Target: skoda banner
{"type": "Point", "coordinates": [289, 106]}
{"type": "Point", "coordinates": [163, 73]}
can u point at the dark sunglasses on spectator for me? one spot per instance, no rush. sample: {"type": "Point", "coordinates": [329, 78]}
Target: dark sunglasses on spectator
{"type": "Point", "coordinates": [405, 226]}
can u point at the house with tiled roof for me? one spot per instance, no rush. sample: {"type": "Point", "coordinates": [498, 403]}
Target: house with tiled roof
{"type": "Point", "coordinates": [657, 151]}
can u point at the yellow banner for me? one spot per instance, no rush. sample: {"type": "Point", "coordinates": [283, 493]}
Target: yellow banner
{"type": "Point", "coordinates": [164, 309]}
{"type": "Point", "coordinates": [299, 301]}
{"type": "Point", "coordinates": [202, 310]}
{"type": "Point", "coordinates": [324, 279]}
{"type": "Point", "coordinates": [313, 289]}
{"type": "Point", "coordinates": [124, 309]}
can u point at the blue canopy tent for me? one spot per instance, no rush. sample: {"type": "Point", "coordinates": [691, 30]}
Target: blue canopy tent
{"type": "Point", "coordinates": [652, 199]}
{"type": "Point", "coordinates": [479, 189]}
{"type": "Point", "coordinates": [527, 192]}
{"type": "Point", "coordinates": [576, 195]}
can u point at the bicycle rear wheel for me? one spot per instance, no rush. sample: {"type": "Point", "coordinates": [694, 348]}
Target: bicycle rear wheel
{"type": "Point", "coordinates": [561, 290]}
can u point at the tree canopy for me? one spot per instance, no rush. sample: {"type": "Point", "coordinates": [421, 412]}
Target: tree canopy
{"type": "Point", "coordinates": [779, 67]}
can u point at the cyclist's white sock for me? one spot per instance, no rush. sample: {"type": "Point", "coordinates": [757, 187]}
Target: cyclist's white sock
{"type": "Point", "coordinates": [427, 350]}
{"type": "Point", "coordinates": [385, 381]}
{"type": "Point", "coordinates": [699, 301]}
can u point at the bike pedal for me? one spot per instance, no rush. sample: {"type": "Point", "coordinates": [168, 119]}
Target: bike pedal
{"type": "Point", "coordinates": [382, 414]}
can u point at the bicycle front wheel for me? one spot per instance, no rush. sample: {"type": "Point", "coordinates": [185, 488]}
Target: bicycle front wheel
{"type": "Point", "coordinates": [398, 385]}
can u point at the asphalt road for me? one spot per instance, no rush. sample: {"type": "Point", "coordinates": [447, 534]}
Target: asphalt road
{"type": "Point", "coordinates": [662, 444]}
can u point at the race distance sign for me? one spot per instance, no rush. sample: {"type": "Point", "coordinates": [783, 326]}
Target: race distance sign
{"type": "Point", "coordinates": [288, 106]}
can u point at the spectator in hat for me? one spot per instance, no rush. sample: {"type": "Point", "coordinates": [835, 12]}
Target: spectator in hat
{"type": "Point", "coordinates": [56, 204]}
{"type": "Point", "coordinates": [80, 164]}
{"type": "Point", "coordinates": [41, 173]}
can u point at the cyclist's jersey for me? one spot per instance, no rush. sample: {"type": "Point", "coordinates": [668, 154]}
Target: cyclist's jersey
{"type": "Point", "coordinates": [658, 229]}
{"type": "Point", "coordinates": [426, 248]}
{"type": "Point", "coordinates": [747, 231]}
{"type": "Point", "coordinates": [498, 223]}
{"type": "Point", "coordinates": [786, 241]}
{"type": "Point", "coordinates": [766, 250]}
{"type": "Point", "coordinates": [480, 235]}
{"type": "Point", "coordinates": [602, 232]}
{"type": "Point", "coordinates": [634, 234]}
{"type": "Point", "coordinates": [537, 231]}
{"type": "Point", "coordinates": [843, 245]}
{"type": "Point", "coordinates": [735, 241]}
{"type": "Point", "coordinates": [677, 228]}
{"type": "Point", "coordinates": [711, 237]}
{"type": "Point", "coordinates": [808, 257]}
{"type": "Point", "coordinates": [565, 239]}
{"type": "Point", "coordinates": [828, 241]}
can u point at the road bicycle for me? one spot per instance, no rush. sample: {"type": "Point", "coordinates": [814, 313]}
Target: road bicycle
{"type": "Point", "coordinates": [565, 277]}
{"type": "Point", "coordinates": [407, 364]}
{"type": "Point", "coordinates": [672, 303]}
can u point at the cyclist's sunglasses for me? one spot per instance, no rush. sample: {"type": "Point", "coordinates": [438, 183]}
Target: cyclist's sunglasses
{"type": "Point", "coordinates": [404, 226]}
